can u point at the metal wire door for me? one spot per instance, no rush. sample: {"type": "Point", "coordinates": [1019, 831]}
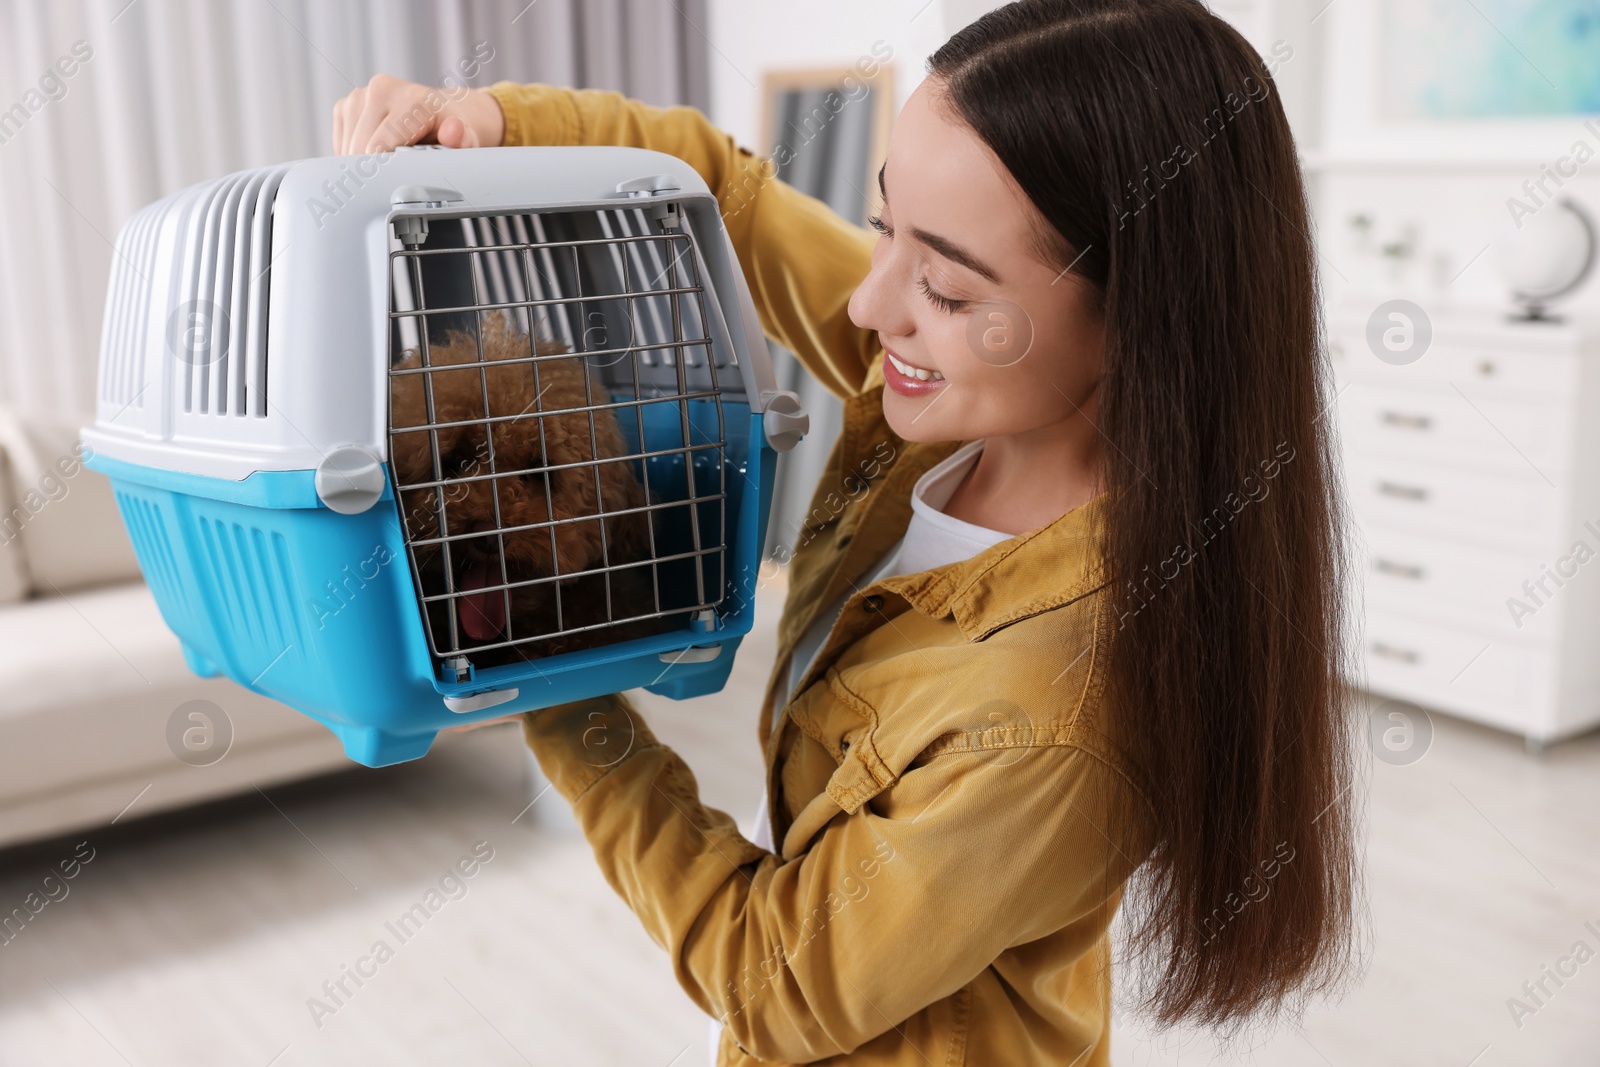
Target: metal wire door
{"type": "Point", "coordinates": [558, 450]}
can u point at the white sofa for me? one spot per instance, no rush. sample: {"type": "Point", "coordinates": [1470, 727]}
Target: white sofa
{"type": "Point", "coordinates": [97, 711]}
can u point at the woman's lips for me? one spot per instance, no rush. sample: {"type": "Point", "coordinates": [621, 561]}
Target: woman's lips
{"type": "Point", "coordinates": [906, 385]}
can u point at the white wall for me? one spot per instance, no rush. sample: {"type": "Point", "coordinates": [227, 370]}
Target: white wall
{"type": "Point", "coordinates": [750, 37]}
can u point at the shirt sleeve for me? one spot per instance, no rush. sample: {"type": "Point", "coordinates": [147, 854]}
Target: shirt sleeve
{"type": "Point", "coordinates": [890, 909]}
{"type": "Point", "coordinates": [801, 261]}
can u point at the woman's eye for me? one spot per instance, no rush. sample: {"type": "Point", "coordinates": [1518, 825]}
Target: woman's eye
{"type": "Point", "coordinates": [944, 303]}
{"type": "Point", "coordinates": [939, 300]}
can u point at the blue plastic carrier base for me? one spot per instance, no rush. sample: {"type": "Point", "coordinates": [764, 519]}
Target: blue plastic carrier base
{"type": "Point", "coordinates": [266, 585]}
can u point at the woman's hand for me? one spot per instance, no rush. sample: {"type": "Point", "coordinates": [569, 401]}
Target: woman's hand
{"type": "Point", "coordinates": [388, 112]}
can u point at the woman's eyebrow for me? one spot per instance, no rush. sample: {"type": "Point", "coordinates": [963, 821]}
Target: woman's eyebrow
{"type": "Point", "coordinates": [945, 247]}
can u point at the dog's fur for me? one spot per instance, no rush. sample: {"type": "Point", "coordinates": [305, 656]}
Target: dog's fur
{"type": "Point", "coordinates": [527, 441]}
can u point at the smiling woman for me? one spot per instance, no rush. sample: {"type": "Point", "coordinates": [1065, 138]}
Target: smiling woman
{"type": "Point", "coordinates": [974, 742]}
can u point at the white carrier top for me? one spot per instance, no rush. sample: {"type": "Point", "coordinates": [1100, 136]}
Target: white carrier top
{"type": "Point", "coordinates": [249, 319]}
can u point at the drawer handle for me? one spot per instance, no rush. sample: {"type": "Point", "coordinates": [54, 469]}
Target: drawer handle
{"type": "Point", "coordinates": [1399, 570]}
{"type": "Point", "coordinates": [1403, 492]}
{"type": "Point", "coordinates": [1405, 422]}
{"type": "Point", "coordinates": [1403, 655]}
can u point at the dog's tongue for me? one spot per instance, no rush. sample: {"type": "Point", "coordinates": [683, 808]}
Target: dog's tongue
{"type": "Point", "coordinates": [483, 615]}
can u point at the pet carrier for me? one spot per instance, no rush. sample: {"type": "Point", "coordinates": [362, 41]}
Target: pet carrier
{"type": "Point", "coordinates": [416, 439]}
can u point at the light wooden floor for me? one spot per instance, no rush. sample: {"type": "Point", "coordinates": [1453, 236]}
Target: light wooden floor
{"type": "Point", "coordinates": [198, 938]}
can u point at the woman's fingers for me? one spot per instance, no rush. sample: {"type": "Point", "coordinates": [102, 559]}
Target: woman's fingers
{"type": "Point", "coordinates": [387, 113]}
{"type": "Point", "coordinates": [344, 113]}
{"type": "Point", "coordinates": [413, 114]}
{"type": "Point", "coordinates": [455, 133]}
{"type": "Point", "coordinates": [385, 95]}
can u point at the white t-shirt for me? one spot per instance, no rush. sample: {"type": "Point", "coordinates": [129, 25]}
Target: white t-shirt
{"type": "Point", "coordinates": [932, 539]}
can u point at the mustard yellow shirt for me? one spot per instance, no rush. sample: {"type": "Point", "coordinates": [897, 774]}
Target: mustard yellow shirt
{"type": "Point", "coordinates": [941, 786]}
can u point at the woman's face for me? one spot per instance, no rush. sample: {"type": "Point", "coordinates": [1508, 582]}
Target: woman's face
{"type": "Point", "coordinates": [957, 286]}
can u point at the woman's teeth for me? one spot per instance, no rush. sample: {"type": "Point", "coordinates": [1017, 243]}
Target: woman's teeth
{"type": "Point", "coordinates": [914, 372]}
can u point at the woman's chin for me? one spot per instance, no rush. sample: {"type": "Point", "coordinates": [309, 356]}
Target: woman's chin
{"type": "Point", "coordinates": [906, 417]}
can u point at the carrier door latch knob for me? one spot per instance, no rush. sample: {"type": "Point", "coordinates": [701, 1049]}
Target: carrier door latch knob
{"type": "Point", "coordinates": [666, 214]}
{"type": "Point", "coordinates": [350, 480]}
{"type": "Point", "coordinates": [652, 185]}
{"type": "Point", "coordinates": [692, 654]}
{"type": "Point", "coordinates": [783, 420]}
{"type": "Point", "coordinates": [425, 195]}
{"type": "Point", "coordinates": [478, 701]}
{"type": "Point", "coordinates": [703, 621]}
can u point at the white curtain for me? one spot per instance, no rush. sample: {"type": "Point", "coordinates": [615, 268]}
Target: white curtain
{"type": "Point", "coordinates": [108, 105]}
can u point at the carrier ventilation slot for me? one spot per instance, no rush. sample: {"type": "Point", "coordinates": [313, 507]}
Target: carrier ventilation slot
{"type": "Point", "coordinates": [147, 528]}
{"type": "Point", "coordinates": [248, 571]}
{"type": "Point", "coordinates": [217, 332]}
{"type": "Point", "coordinates": [557, 442]}
{"type": "Point", "coordinates": [133, 269]}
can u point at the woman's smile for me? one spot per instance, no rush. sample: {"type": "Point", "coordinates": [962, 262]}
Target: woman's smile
{"type": "Point", "coordinates": [908, 379]}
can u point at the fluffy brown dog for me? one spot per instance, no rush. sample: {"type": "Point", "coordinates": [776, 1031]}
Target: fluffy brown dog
{"type": "Point", "coordinates": [524, 445]}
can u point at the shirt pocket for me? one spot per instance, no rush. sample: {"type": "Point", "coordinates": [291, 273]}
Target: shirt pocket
{"type": "Point", "coordinates": [832, 765]}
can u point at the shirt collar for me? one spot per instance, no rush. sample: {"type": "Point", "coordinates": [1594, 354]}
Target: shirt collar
{"type": "Point", "coordinates": [1033, 572]}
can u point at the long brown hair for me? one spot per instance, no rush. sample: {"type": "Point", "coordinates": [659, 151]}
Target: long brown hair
{"type": "Point", "coordinates": [1151, 135]}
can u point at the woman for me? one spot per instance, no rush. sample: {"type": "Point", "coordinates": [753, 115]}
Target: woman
{"type": "Point", "coordinates": [1067, 612]}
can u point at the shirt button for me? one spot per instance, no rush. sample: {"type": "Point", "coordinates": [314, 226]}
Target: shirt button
{"type": "Point", "coordinates": [873, 602]}
{"type": "Point", "coordinates": [844, 746]}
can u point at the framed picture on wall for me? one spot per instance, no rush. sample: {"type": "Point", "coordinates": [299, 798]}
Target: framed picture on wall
{"type": "Point", "coordinates": [1437, 79]}
{"type": "Point", "coordinates": [1520, 58]}
{"type": "Point", "coordinates": [827, 131]}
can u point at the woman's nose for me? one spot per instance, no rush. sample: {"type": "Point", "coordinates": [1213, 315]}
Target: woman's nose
{"type": "Point", "coordinates": [877, 304]}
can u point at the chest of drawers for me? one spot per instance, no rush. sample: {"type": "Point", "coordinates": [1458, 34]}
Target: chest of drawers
{"type": "Point", "coordinates": [1472, 476]}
